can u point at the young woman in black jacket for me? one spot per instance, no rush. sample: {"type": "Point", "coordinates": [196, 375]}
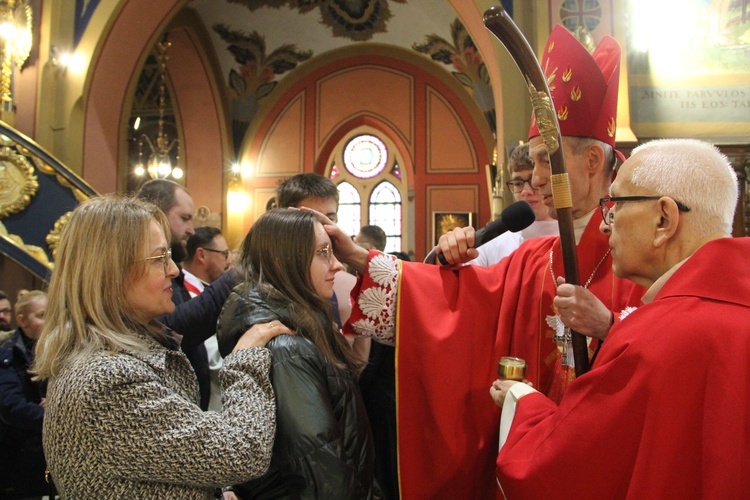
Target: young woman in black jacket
{"type": "Point", "coordinates": [323, 446]}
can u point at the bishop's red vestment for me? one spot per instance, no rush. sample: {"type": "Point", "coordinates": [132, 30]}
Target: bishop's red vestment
{"type": "Point", "coordinates": [451, 328]}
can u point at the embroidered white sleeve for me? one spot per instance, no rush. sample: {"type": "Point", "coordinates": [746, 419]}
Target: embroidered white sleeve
{"type": "Point", "coordinates": [378, 303]}
{"type": "Point", "coordinates": [373, 301]}
{"type": "Point", "coordinates": [384, 271]}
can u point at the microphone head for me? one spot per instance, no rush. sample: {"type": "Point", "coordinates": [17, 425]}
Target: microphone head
{"type": "Point", "coordinates": [518, 216]}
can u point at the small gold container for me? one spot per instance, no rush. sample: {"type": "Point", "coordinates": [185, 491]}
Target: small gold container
{"type": "Point", "coordinates": [511, 368]}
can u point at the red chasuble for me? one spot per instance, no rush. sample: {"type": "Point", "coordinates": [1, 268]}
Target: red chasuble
{"type": "Point", "coordinates": [665, 410]}
{"type": "Point", "coordinates": [453, 326]}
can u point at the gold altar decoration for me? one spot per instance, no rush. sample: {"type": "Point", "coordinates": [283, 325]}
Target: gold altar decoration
{"type": "Point", "coordinates": [53, 238]}
{"type": "Point", "coordinates": [33, 250]}
{"type": "Point", "coordinates": [18, 182]}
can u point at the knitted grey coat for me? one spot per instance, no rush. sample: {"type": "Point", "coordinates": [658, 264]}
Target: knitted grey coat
{"type": "Point", "coordinates": [128, 425]}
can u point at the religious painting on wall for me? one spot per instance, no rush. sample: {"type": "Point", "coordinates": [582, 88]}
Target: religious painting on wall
{"type": "Point", "coordinates": [689, 68]}
{"type": "Point", "coordinates": [688, 62]}
{"type": "Point", "coordinates": [444, 222]}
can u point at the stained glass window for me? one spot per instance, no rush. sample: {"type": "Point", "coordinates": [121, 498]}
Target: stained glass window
{"type": "Point", "coordinates": [349, 209]}
{"type": "Point", "coordinates": [385, 211]}
{"type": "Point", "coordinates": [365, 156]}
{"type": "Point", "coordinates": [396, 171]}
{"type": "Point", "coordinates": [334, 171]}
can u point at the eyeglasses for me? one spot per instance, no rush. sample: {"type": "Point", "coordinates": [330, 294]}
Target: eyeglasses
{"type": "Point", "coordinates": [516, 185]}
{"type": "Point", "coordinates": [225, 253]}
{"type": "Point", "coordinates": [326, 252]}
{"type": "Point", "coordinates": [165, 258]}
{"type": "Point", "coordinates": [5, 311]}
{"type": "Point", "coordinates": [607, 204]}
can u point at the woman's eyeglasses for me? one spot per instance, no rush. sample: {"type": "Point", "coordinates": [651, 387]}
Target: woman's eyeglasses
{"type": "Point", "coordinates": [326, 252]}
{"type": "Point", "coordinates": [165, 258]}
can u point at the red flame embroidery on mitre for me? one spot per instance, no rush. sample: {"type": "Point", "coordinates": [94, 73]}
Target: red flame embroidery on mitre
{"type": "Point", "coordinates": [586, 92]}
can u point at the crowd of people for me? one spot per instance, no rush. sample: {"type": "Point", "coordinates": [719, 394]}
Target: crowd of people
{"type": "Point", "coordinates": [162, 363]}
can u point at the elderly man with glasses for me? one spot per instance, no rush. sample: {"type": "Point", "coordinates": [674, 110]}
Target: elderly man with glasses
{"type": "Point", "coordinates": [664, 410]}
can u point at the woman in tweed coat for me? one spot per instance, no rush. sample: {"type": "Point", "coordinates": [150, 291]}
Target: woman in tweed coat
{"type": "Point", "coordinates": [122, 417]}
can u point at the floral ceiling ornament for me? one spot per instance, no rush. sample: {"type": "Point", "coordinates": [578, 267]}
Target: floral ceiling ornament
{"type": "Point", "coordinates": [256, 77]}
{"type": "Point", "coordinates": [357, 20]}
{"type": "Point", "coordinates": [468, 64]}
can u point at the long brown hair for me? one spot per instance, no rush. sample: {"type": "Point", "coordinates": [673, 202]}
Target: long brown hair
{"type": "Point", "coordinates": [275, 258]}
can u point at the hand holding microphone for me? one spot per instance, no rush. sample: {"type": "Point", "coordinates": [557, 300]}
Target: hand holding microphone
{"type": "Point", "coordinates": [514, 218]}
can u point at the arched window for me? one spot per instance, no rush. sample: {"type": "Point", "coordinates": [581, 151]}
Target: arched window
{"type": "Point", "coordinates": [385, 211]}
{"type": "Point", "coordinates": [371, 188]}
{"type": "Point", "coordinates": [349, 209]}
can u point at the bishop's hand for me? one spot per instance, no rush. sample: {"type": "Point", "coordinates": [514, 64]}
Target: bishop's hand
{"type": "Point", "coordinates": [456, 245]}
{"type": "Point", "coordinates": [580, 310]}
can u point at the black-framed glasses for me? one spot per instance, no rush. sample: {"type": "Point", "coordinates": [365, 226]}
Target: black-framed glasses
{"type": "Point", "coordinates": [608, 203]}
{"type": "Point", "coordinates": [516, 185]}
{"type": "Point", "coordinates": [165, 258]}
{"type": "Point", "coordinates": [326, 252]}
{"type": "Point", "coordinates": [225, 253]}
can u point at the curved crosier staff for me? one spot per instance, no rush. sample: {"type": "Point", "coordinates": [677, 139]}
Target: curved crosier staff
{"type": "Point", "coordinates": [497, 20]}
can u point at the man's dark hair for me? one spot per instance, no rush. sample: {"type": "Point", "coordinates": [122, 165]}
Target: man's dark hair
{"type": "Point", "coordinates": [202, 238]}
{"type": "Point", "coordinates": [309, 185]}
{"type": "Point", "coordinates": [3, 295]}
{"type": "Point", "coordinates": [374, 235]}
{"type": "Point", "coordinates": [160, 192]}
{"type": "Point", "coordinates": [401, 256]}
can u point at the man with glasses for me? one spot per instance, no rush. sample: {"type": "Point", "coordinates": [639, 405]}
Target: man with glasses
{"type": "Point", "coordinates": [520, 167]}
{"type": "Point", "coordinates": [208, 258]}
{"type": "Point", "coordinates": [664, 410]}
{"type": "Point", "coordinates": [461, 321]}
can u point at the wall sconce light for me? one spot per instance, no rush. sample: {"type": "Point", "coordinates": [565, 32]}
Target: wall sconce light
{"type": "Point", "coordinates": [237, 199]}
{"type": "Point", "coordinates": [57, 58]}
{"type": "Point", "coordinates": [63, 61]}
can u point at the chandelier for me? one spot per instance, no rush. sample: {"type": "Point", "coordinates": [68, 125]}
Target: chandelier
{"type": "Point", "coordinates": [159, 164]}
{"type": "Point", "coordinates": [15, 46]}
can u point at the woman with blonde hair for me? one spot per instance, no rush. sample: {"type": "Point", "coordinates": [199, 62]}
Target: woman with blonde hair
{"type": "Point", "coordinates": [323, 443]}
{"type": "Point", "coordinates": [22, 404]}
{"type": "Point", "coordinates": [122, 417]}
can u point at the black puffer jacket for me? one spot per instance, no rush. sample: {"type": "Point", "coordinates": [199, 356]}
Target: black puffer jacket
{"type": "Point", "coordinates": [323, 446]}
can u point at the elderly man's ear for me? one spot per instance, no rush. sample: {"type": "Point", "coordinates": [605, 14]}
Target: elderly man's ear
{"type": "Point", "coordinates": [668, 221]}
